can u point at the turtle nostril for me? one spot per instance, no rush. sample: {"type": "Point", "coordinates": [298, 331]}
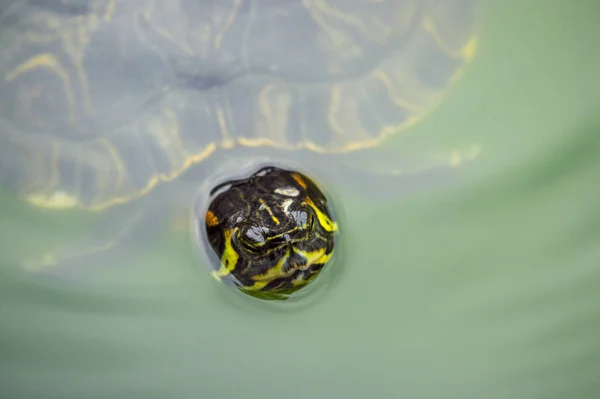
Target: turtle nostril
{"type": "Point", "coordinates": [294, 262]}
{"type": "Point", "coordinates": [300, 260]}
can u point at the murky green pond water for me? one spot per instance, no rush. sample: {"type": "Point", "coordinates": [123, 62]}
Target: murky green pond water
{"type": "Point", "coordinates": [484, 289]}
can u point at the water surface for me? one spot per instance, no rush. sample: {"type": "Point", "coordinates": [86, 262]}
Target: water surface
{"type": "Point", "coordinates": [485, 288]}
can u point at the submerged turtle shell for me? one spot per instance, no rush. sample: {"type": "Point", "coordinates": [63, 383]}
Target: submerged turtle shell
{"type": "Point", "coordinates": [102, 100]}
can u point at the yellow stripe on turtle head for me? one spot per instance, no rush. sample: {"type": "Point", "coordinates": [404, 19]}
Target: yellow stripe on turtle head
{"type": "Point", "coordinates": [324, 220]}
{"type": "Point", "coordinates": [312, 258]}
{"type": "Point", "coordinates": [299, 180]}
{"type": "Point", "coordinates": [271, 274]}
{"type": "Point", "coordinates": [263, 205]}
{"type": "Point", "coordinates": [229, 258]}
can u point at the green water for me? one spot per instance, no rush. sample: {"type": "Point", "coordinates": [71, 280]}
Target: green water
{"type": "Point", "coordinates": [484, 289]}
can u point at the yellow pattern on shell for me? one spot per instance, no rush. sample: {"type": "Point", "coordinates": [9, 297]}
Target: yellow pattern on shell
{"type": "Point", "coordinates": [337, 23]}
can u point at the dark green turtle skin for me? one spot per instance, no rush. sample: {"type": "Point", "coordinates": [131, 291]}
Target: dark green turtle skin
{"type": "Point", "coordinates": [273, 231]}
{"type": "Point", "coordinates": [106, 106]}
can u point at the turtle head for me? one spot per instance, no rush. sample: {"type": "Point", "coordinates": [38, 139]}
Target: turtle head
{"type": "Point", "coordinates": [272, 231]}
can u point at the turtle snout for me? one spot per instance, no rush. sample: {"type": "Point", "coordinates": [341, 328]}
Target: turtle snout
{"type": "Point", "coordinates": [295, 261]}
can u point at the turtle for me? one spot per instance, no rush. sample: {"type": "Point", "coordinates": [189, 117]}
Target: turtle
{"type": "Point", "coordinates": [127, 108]}
{"type": "Point", "coordinates": [272, 232]}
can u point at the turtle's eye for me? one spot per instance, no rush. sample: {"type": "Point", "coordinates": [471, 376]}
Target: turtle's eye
{"type": "Point", "coordinates": [252, 238]}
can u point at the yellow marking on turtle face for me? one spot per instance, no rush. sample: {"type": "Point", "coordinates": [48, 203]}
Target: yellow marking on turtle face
{"type": "Point", "coordinates": [288, 192]}
{"type": "Point", "coordinates": [229, 258]}
{"type": "Point", "coordinates": [314, 257]}
{"type": "Point", "coordinates": [258, 285]}
{"type": "Point", "coordinates": [299, 180]}
{"type": "Point", "coordinates": [211, 219]}
{"type": "Point", "coordinates": [272, 273]}
{"type": "Point", "coordinates": [263, 205]}
{"type": "Point", "coordinates": [324, 220]}
{"type": "Point", "coordinates": [300, 280]}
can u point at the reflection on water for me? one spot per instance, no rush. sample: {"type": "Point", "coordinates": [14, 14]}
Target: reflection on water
{"type": "Point", "coordinates": [484, 288]}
